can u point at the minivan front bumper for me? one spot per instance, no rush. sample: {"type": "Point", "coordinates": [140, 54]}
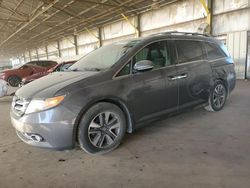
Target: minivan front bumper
{"type": "Point", "coordinates": [52, 128]}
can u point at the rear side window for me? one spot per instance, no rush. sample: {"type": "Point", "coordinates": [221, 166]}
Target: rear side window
{"type": "Point", "coordinates": [45, 63]}
{"type": "Point", "coordinates": [189, 50]}
{"type": "Point", "coordinates": [214, 52]}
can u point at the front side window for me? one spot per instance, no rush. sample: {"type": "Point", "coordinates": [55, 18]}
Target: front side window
{"type": "Point", "coordinates": [156, 52]}
{"type": "Point", "coordinates": [214, 52]}
{"type": "Point", "coordinates": [189, 50]}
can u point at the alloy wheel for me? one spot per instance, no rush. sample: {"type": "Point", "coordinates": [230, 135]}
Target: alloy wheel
{"type": "Point", "coordinates": [13, 81]}
{"type": "Point", "coordinates": [104, 129]}
{"type": "Point", "coordinates": [219, 96]}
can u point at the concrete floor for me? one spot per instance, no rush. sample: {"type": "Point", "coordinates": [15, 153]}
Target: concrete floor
{"type": "Point", "coordinates": [196, 149]}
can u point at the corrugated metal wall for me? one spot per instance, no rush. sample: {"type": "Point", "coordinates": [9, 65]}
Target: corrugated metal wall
{"type": "Point", "coordinates": [248, 57]}
{"type": "Point", "coordinates": [237, 47]}
{"type": "Point", "coordinates": [187, 15]}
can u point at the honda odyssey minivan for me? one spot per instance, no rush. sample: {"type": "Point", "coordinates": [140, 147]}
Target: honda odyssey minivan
{"type": "Point", "coordinates": [118, 87]}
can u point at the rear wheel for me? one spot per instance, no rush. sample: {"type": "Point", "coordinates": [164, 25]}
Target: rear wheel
{"type": "Point", "coordinates": [101, 128]}
{"type": "Point", "coordinates": [217, 98]}
{"type": "Point", "coordinates": [14, 81]}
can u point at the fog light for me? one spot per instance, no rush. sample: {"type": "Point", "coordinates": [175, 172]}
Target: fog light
{"type": "Point", "coordinates": [34, 137]}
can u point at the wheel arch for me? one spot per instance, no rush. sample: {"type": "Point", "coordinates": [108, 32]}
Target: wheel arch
{"type": "Point", "coordinates": [12, 75]}
{"type": "Point", "coordinates": [113, 100]}
{"type": "Point", "coordinates": [220, 74]}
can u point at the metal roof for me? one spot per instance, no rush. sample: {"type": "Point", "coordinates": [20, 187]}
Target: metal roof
{"type": "Point", "coordinates": [27, 24]}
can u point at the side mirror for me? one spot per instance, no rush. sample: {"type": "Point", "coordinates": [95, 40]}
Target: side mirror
{"type": "Point", "coordinates": [143, 65]}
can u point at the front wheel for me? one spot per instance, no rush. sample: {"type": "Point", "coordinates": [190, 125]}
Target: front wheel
{"type": "Point", "coordinates": [101, 128]}
{"type": "Point", "coordinates": [217, 98]}
{"type": "Point", "coordinates": [14, 81]}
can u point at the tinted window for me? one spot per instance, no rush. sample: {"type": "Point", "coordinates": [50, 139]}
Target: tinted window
{"type": "Point", "coordinates": [155, 52]}
{"type": "Point", "coordinates": [62, 67]}
{"type": "Point", "coordinates": [65, 66]}
{"type": "Point", "coordinates": [213, 51]}
{"type": "Point", "coordinates": [189, 50]}
{"type": "Point", "coordinates": [31, 63]}
{"type": "Point", "coordinates": [42, 63]}
{"type": "Point", "coordinates": [45, 64]}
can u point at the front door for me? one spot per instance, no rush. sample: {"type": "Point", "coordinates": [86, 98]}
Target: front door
{"type": "Point", "coordinates": [149, 96]}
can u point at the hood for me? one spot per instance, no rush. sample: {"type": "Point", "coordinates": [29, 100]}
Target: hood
{"type": "Point", "coordinates": [47, 86]}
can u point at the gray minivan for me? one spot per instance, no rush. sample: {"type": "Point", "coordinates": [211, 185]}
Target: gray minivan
{"type": "Point", "coordinates": [118, 87]}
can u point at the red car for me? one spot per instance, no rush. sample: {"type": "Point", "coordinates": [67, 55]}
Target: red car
{"type": "Point", "coordinates": [59, 67]}
{"type": "Point", "coordinates": [15, 75]}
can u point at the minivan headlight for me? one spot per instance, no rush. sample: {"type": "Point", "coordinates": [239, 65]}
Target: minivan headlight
{"type": "Point", "coordinates": [37, 105]}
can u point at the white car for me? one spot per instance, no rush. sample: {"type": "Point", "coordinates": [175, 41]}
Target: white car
{"type": "Point", "coordinates": [3, 88]}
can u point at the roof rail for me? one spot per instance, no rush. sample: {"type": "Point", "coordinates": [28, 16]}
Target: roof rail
{"type": "Point", "coordinates": [182, 33]}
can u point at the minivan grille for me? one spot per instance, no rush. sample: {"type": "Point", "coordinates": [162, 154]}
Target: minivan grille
{"type": "Point", "coordinates": [19, 105]}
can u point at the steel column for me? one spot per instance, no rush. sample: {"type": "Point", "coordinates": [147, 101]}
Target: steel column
{"type": "Point", "coordinates": [100, 36]}
{"type": "Point", "coordinates": [46, 51]}
{"type": "Point", "coordinates": [76, 44]}
{"type": "Point", "coordinates": [37, 56]}
{"type": "Point", "coordinates": [59, 49]}
{"type": "Point", "coordinates": [208, 6]}
{"type": "Point", "coordinates": [30, 55]}
{"type": "Point", "coordinates": [133, 25]}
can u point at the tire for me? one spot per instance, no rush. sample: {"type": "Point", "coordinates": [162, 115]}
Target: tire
{"type": "Point", "coordinates": [217, 97]}
{"type": "Point", "coordinates": [14, 81]}
{"type": "Point", "coordinates": [101, 128]}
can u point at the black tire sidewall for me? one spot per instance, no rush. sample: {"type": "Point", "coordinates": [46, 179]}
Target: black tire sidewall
{"type": "Point", "coordinates": [88, 116]}
{"type": "Point", "coordinates": [211, 96]}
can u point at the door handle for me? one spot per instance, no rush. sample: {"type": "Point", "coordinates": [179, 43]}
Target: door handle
{"type": "Point", "coordinates": [182, 76]}
{"type": "Point", "coordinates": [172, 78]}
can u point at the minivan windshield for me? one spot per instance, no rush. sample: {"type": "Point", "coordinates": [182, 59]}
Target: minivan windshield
{"type": "Point", "coordinates": [104, 57]}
